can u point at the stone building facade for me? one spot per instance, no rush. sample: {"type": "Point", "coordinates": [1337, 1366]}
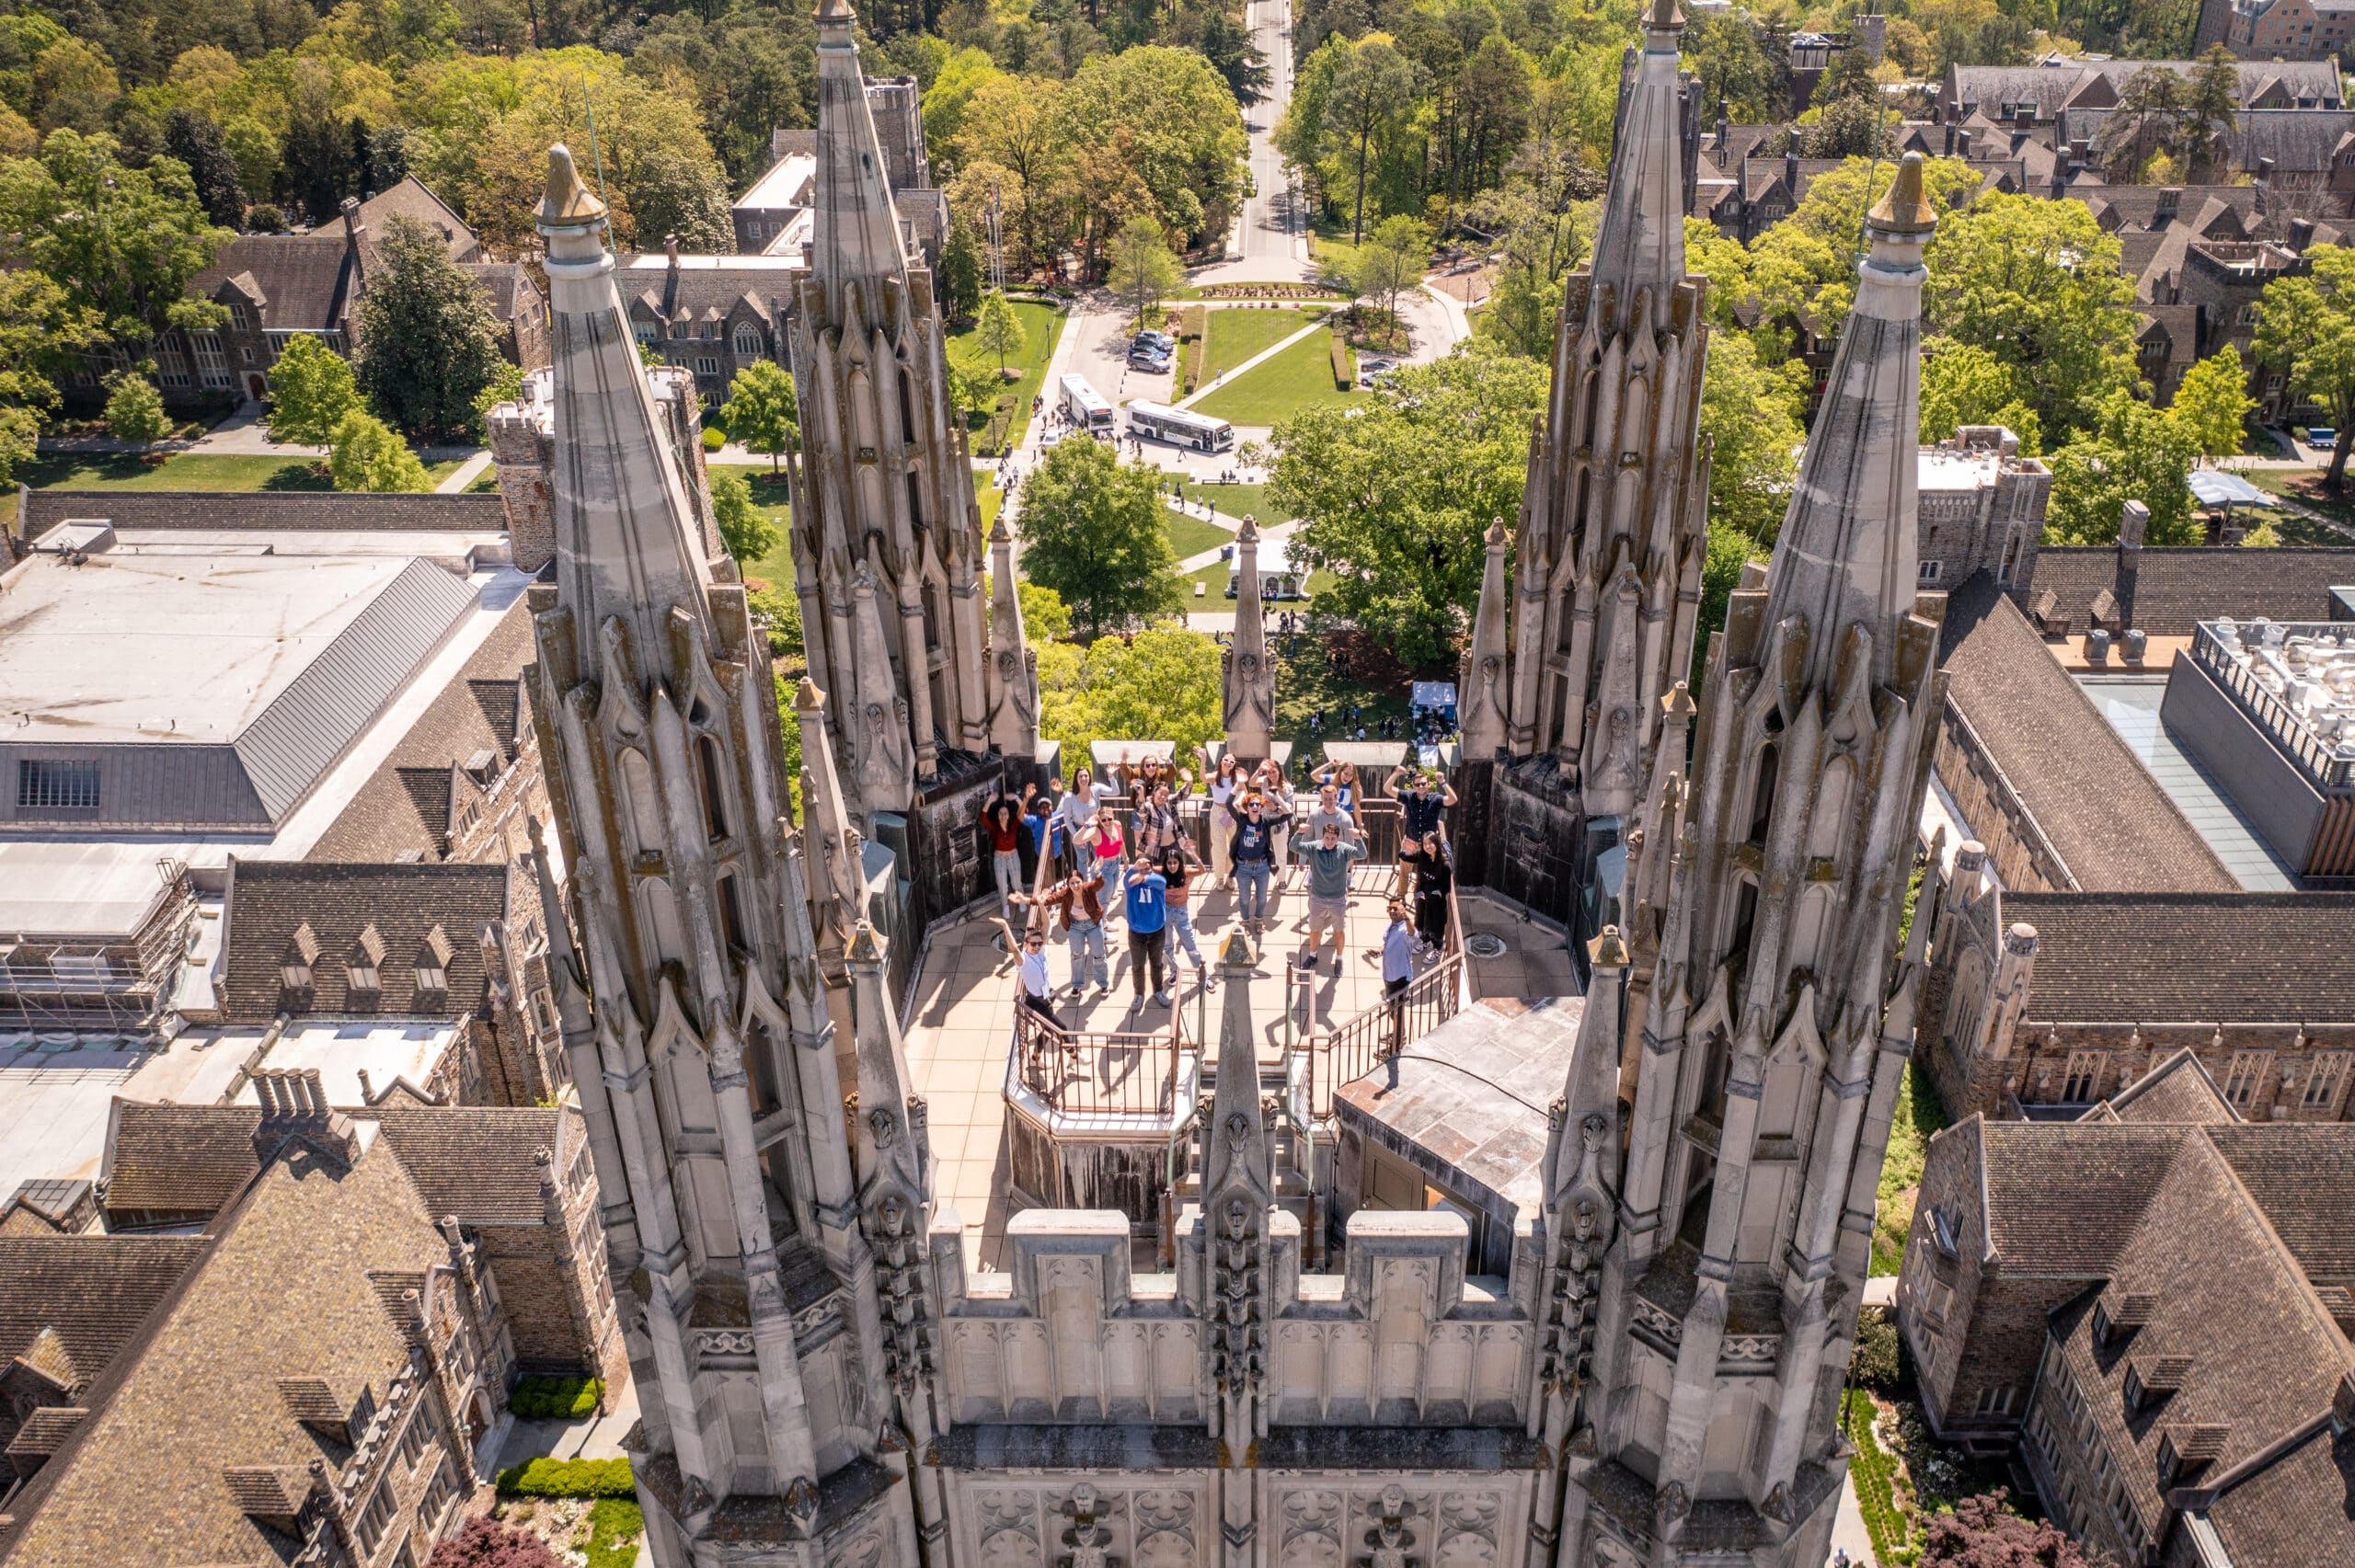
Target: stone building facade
{"type": "Point", "coordinates": [1561, 725]}
{"type": "Point", "coordinates": [2037, 1002]}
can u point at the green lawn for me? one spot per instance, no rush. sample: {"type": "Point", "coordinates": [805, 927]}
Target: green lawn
{"type": "Point", "coordinates": [2305, 487]}
{"type": "Point", "coordinates": [1041, 325]}
{"type": "Point", "coordinates": [1215, 575]}
{"type": "Point", "coordinates": [1237, 332]}
{"type": "Point", "coordinates": [437, 472]}
{"type": "Point", "coordinates": [1235, 500]}
{"type": "Point", "coordinates": [1192, 535]}
{"type": "Point", "coordinates": [1919, 1114]}
{"type": "Point", "coordinates": [182, 471]}
{"type": "Point", "coordinates": [1299, 378]}
{"type": "Point", "coordinates": [484, 482]}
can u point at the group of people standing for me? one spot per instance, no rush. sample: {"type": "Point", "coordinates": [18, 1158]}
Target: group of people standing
{"type": "Point", "coordinates": [1144, 872]}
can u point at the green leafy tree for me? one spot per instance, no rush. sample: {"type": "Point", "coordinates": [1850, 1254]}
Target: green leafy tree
{"type": "Point", "coordinates": [365, 454]}
{"type": "Point", "coordinates": [40, 329]}
{"type": "Point", "coordinates": [2305, 326]}
{"type": "Point", "coordinates": [2135, 453]}
{"type": "Point", "coordinates": [1045, 617]}
{"type": "Point", "coordinates": [1373, 87]}
{"type": "Point", "coordinates": [1092, 531]}
{"type": "Point", "coordinates": [2037, 284]}
{"type": "Point", "coordinates": [1804, 266]}
{"type": "Point", "coordinates": [1962, 383]}
{"type": "Point", "coordinates": [999, 328]}
{"type": "Point", "coordinates": [2213, 405]}
{"type": "Point", "coordinates": [1227, 46]}
{"type": "Point", "coordinates": [427, 344]}
{"type": "Point", "coordinates": [1395, 496]}
{"type": "Point", "coordinates": [310, 389]}
{"type": "Point", "coordinates": [1392, 262]}
{"type": "Point", "coordinates": [1161, 683]}
{"type": "Point", "coordinates": [1737, 65]}
{"type": "Point", "coordinates": [1727, 552]}
{"type": "Point", "coordinates": [744, 527]}
{"type": "Point", "coordinates": [1143, 273]}
{"type": "Point", "coordinates": [1751, 411]}
{"type": "Point", "coordinates": [762, 413]}
{"type": "Point", "coordinates": [506, 385]}
{"type": "Point", "coordinates": [123, 242]}
{"type": "Point", "coordinates": [2210, 108]}
{"type": "Point", "coordinates": [1543, 216]}
{"type": "Point", "coordinates": [2147, 123]}
{"type": "Point", "coordinates": [136, 412]}
{"type": "Point", "coordinates": [960, 273]}
{"type": "Point", "coordinates": [974, 386]}
{"type": "Point", "coordinates": [1159, 124]}
{"type": "Point", "coordinates": [1857, 126]}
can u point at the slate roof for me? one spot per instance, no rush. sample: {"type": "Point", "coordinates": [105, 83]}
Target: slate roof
{"type": "Point", "coordinates": [2303, 1176]}
{"type": "Point", "coordinates": [2177, 586]}
{"type": "Point", "coordinates": [390, 914]}
{"type": "Point", "coordinates": [2050, 88]}
{"type": "Point", "coordinates": [305, 283]}
{"type": "Point", "coordinates": [169, 1164]}
{"type": "Point", "coordinates": [2283, 1508]}
{"type": "Point", "coordinates": [2160, 957]}
{"type": "Point", "coordinates": [2109, 819]}
{"type": "Point", "coordinates": [502, 281]}
{"type": "Point", "coordinates": [141, 1480]}
{"type": "Point", "coordinates": [2176, 1090]}
{"type": "Point", "coordinates": [405, 805]}
{"type": "Point", "coordinates": [712, 289]}
{"type": "Point", "coordinates": [2059, 1201]}
{"type": "Point", "coordinates": [477, 1161]}
{"type": "Point", "coordinates": [92, 1292]}
{"type": "Point", "coordinates": [411, 198]}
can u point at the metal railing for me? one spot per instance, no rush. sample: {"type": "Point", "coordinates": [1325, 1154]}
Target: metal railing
{"type": "Point", "coordinates": [1101, 1072]}
{"type": "Point", "coordinates": [2317, 757]}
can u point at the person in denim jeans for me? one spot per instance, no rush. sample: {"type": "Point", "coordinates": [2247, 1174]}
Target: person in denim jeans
{"type": "Point", "coordinates": [1252, 852]}
{"type": "Point", "coordinates": [1077, 899]}
{"type": "Point", "coordinates": [1178, 863]}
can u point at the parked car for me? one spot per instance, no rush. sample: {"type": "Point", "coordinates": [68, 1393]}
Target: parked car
{"type": "Point", "coordinates": [1050, 437]}
{"type": "Point", "coordinates": [2321, 438]}
{"type": "Point", "coordinates": [1143, 358]}
{"type": "Point", "coordinates": [1370, 372]}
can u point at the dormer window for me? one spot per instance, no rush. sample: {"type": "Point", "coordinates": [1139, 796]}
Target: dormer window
{"type": "Point", "coordinates": [366, 959]}
{"type": "Point", "coordinates": [302, 952]}
{"type": "Point", "coordinates": [433, 962]}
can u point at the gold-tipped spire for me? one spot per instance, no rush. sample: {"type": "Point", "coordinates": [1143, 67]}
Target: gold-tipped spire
{"type": "Point", "coordinates": [568, 203]}
{"type": "Point", "coordinates": [1902, 208]}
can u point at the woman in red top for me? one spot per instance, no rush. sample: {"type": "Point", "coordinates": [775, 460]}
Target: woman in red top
{"type": "Point", "coordinates": [1002, 819]}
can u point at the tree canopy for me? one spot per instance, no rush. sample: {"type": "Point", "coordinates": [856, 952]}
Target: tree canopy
{"type": "Point", "coordinates": [427, 344]}
{"type": "Point", "coordinates": [2305, 326]}
{"type": "Point", "coordinates": [1394, 498]}
{"type": "Point", "coordinates": [1092, 529]}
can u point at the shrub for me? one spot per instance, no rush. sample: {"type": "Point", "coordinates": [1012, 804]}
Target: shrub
{"type": "Point", "coordinates": [484, 1543]}
{"type": "Point", "coordinates": [1343, 376]}
{"type": "Point", "coordinates": [615, 1527]}
{"type": "Point", "coordinates": [1875, 1362]}
{"type": "Point", "coordinates": [555, 1398]}
{"type": "Point", "coordinates": [136, 412]}
{"type": "Point", "coordinates": [568, 1478]}
{"type": "Point", "coordinates": [1875, 1477]}
{"type": "Point", "coordinates": [714, 438]}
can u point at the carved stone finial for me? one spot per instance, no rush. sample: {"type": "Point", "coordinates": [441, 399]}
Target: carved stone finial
{"type": "Point", "coordinates": [567, 203]}
{"type": "Point", "coordinates": [1903, 209]}
{"type": "Point", "coordinates": [865, 948]}
{"type": "Point", "coordinates": [1607, 951]}
{"type": "Point", "coordinates": [806, 698]}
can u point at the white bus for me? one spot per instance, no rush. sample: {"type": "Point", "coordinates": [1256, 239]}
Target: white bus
{"type": "Point", "coordinates": [1086, 407]}
{"type": "Point", "coordinates": [1180, 427]}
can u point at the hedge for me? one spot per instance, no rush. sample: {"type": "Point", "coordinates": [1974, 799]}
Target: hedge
{"type": "Point", "coordinates": [1875, 1477]}
{"type": "Point", "coordinates": [568, 1478]}
{"type": "Point", "coordinates": [1194, 332]}
{"type": "Point", "coordinates": [1344, 376]}
{"type": "Point", "coordinates": [555, 1398]}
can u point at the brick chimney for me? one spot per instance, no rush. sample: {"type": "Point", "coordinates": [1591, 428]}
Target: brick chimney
{"type": "Point", "coordinates": [353, 229]}
{"type": "Point", "coordinates": [294, 1105]}
{"type": "Point", "coordinates": [2133, 523]}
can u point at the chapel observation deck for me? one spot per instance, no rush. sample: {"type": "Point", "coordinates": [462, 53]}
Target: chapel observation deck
{"type": "Point", "coordinates": [1105, 1115]}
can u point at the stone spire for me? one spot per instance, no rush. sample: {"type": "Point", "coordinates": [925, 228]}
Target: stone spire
{"type": "Point", "coordinates": [855, 231]}
{"type": "Point", "coordinates": [1640, 242]}
{"type": "Point", "coordinates": [629, 545]}
{"type": "Point", "coordinates": [1238, 1191]}
{"type": "Point", "coordinates": [882, 485]}
{"type": "Point", "coordinates": [1249, 681]}
{"type": "Point", "coordinates": [1848, 554]}
{"type": "Point", "coordinates": [1013, 668]}
{"type": "Point", "coordinates": [1484, 690]}
{"type": "Point", "coordinates": [1773, 1039]}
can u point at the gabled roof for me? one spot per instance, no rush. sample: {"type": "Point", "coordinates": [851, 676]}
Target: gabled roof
{"type": "Point", "coordinates": [2106, 815]}
{"type": "Point", "coordinates": [345, 904]}
{"type": "Point", "coordinates": [176, 1163]}
{"type": "Point", "coordinates": [2176, 1090]}
{"type": "Point", "coordinates": [89, 1293]}
{"type": "Point", "coordinates": [477, 1163]}
{"type": "Point", "coordinates": [306, 282]}
{"type": "Point", "coordinates": [2049, 86]}
{"type": "Point", "coordinates": [413, 198]}
{"type": "Point", "coordinates": [713, 287]}
{"type": "Point", "coordinates": [2177, 586]}
{"type": "Point", "coordinates": [2178, 957]}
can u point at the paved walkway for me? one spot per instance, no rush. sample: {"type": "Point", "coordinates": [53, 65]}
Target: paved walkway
{"type": "Point", "coordinates": [1848, 1532]}
{"type": "Point", "coordinates": [596, 1437]}
{"type": "Point", "coordinates": [465, 474]}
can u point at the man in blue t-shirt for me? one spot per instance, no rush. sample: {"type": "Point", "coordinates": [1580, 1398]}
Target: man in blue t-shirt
{"type": "Point", "coordinates": [1148, 901]}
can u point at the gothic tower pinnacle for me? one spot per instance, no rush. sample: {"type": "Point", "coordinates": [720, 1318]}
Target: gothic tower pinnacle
{"type": "Point", "coordinates": [1249, 681]}
{"type": "Point", "coordinates": [1780, 1013]}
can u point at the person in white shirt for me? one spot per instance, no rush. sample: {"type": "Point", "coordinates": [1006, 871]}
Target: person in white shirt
{"type": "Point", "coordinates": [1036, 990]}
{"type": "Point", "coordinates": [1397, 951]}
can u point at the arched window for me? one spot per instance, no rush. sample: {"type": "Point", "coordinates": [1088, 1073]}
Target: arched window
{"type": "Point", "coordinates": [748, 340]}
{"type": "Point", "coordinates": [713, 766]}
{"type": "Point", "coordinates": [731, 916]}
{"type": "Point", "coordinates": [1762, 792]}
{"type": "Point", "coordinates": [907, 405]}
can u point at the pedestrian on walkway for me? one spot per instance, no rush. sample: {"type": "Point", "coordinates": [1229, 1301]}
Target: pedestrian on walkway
{"type": "Point", "coordinates": [1148, 909]}
{"type": "Point", "coordinates": [1252, 853]}
{"type": "Point", "coordinates": [1328, 863]}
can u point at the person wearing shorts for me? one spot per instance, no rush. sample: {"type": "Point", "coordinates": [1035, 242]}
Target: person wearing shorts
{"type": "Point", "coordinates": [1329, 863]}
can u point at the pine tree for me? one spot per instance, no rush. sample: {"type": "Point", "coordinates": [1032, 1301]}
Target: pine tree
{"type": "Point", "coordinates": [427, 339]}
{"type": "Point", "coordinates": [1000, 329]}
{"type": "Point", "coordinates": [960, 273]}
{"type": "Point", "coordinates": [196, 142]}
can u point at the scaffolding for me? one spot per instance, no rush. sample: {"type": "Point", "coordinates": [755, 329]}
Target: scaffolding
{"type": "Point", "coordinates": [122, 985]}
